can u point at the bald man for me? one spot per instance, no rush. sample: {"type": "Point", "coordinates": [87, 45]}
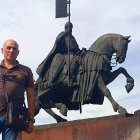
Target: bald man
{"type": "Point", "coordinates": [15, 86]}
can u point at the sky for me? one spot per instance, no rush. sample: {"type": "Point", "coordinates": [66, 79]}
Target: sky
{"type": "Point", "coordinates": [33, 25]}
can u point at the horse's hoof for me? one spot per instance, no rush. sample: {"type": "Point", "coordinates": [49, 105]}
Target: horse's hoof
{"type": "Point", "coordinates": [129, 87]}
{"type": "Point", "coordinates": [115, 107]}
{"type": "Point", "coordinates": [61, 120]}
{"type": "Point", "coordinates": [122, 110]}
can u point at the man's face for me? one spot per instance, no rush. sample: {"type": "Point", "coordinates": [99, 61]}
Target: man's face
{"type": "Point", "coordinates": [10, 50]}
{"type": "Point", "coordinates": [67, 29]}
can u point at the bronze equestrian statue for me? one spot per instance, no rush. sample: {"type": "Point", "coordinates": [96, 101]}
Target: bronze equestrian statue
{"type": "Point", "coordinates": [90, 70]}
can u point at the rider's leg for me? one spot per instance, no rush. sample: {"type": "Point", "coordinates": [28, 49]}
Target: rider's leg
{"type": "Point", "coordinates": [73, 67]}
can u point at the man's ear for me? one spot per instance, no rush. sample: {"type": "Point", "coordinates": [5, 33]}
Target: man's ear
{"type": "Point", "coordinates": [18, 52]}
{"type": "Point", "coordinates": [2, 50]}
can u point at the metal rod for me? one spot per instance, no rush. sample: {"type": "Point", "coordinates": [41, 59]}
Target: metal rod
{"type": "Point", "coordinates": [69, 48]}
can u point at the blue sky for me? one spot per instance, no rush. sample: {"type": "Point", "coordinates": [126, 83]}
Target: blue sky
{"type": "Point", "coordinates": [33, 25]}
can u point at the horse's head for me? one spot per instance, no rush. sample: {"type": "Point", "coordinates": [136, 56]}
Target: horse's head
{"type": "Point", "coordinates": [121, 46]}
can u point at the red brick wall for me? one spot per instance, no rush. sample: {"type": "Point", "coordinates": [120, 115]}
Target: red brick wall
{"type": "Point", "coordinates": [126, 128]}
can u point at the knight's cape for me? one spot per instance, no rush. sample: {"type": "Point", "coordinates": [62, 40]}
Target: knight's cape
{"type": "Point", "coordinates": [43, 67]}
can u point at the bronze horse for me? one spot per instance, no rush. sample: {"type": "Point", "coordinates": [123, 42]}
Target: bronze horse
{"type": "Point", "coordinates": [93, 75]}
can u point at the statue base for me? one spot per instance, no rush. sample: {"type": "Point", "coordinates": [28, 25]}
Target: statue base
{"type": "Point", "coordinates": [116, 127]}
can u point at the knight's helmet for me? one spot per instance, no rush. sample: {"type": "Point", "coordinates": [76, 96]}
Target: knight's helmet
{"type": "Point", "coordinates": [67, 25]}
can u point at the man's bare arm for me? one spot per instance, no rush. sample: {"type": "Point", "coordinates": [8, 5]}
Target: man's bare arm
{"type": "Point", "coordinates": [31, 108]}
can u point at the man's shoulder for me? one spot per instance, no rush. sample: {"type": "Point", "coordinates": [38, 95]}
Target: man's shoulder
{"type": "Point", "coordinates": [2, 63]}
{"type": "Point", "coordinates": [24, 68]}
{"type": "Point", "coordinates": [61, 33]}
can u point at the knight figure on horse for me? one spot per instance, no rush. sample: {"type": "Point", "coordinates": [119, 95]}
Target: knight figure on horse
{"type": "Point", "coordinates": [59, 56]}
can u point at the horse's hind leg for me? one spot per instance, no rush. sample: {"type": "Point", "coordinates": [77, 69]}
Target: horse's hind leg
{"type": "Point", "coordinates": [107, 93]}
{"type": "Point", "coordinates": [63, 109]}
{"type": "Point", "coordinates": [55, 116]}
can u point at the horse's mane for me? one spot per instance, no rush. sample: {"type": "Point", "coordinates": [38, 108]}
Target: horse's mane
{"type": "Point", "coordinates": [103, 44]}
{"type": "Point", "coordinates": [110, 37]}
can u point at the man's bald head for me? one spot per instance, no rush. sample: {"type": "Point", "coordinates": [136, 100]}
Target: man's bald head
{"type": "Point", "coordinates": [11, 41]}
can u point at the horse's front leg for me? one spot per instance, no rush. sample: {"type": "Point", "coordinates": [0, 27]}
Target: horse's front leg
{"type": "Point", "coordinates": [129, 79]}
{"type": "Point", "coordinates": [107, 93]}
